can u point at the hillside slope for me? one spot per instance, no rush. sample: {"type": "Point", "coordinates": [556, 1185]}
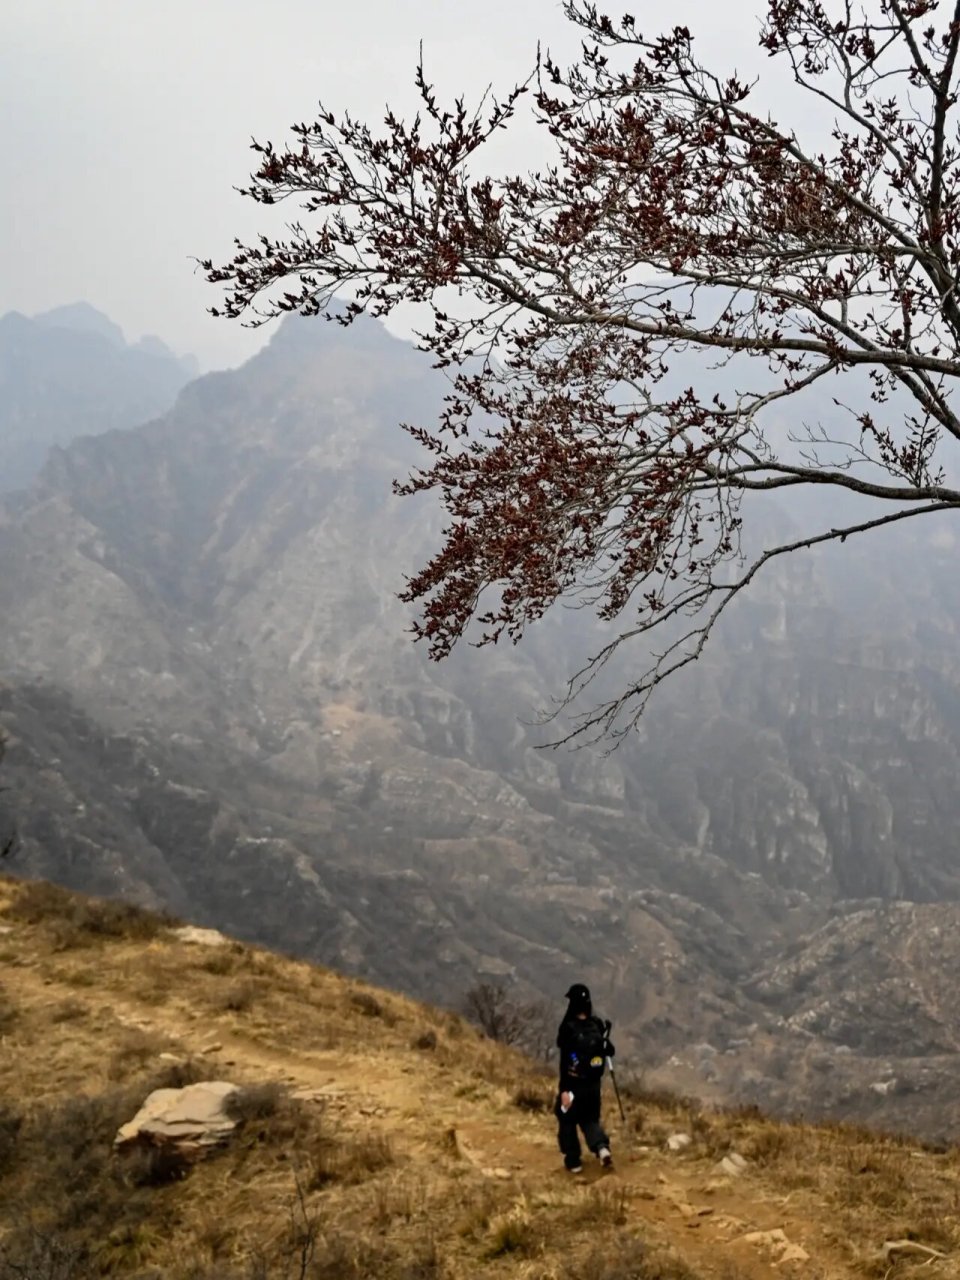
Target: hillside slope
{"type": "Point", "coordinates": [384, 1138]}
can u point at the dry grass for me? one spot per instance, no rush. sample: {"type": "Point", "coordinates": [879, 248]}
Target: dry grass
{"type": "Point", "coordinates": [356, 1178]}
{"type": "Point", "coordinates": [626, 1257]}
{"type": "Point", "coordinates": [75, 921]}
{"type": "Point", "coordinates": [532, 1097]}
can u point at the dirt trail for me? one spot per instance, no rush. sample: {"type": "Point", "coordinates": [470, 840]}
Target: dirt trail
{"type": "Point", "coordinates": [709, 1220]}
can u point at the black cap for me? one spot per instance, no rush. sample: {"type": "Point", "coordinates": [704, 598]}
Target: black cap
{"type": "Point", "coordinates": [579, 993]}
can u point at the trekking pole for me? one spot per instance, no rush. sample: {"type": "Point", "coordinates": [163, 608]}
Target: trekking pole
{"type": "Point", "coordinates": [613, 1075]}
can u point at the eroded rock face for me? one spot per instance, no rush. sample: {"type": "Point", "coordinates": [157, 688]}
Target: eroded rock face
{"type": "Point", "coordinates": [215, 707]}
{"type": "Point", "coordinates": [190, 1120]}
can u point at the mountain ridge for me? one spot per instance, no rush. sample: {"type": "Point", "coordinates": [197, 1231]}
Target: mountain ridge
{"type": "Point", "coordinates": [70, 371]}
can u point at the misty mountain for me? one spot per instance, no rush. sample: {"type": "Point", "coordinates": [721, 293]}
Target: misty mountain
{"type": "Point", "coordinates": [69, 372]}
{"type": "Point", "coordinates": [214, 705]}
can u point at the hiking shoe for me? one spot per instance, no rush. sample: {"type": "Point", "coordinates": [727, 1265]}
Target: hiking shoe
{"type": "Point", "coordinates": [577, 1168]}
{"type": "Point", "coordinates": [606, 1159]}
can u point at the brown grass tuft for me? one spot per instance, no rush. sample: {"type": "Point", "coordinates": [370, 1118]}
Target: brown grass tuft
{"type": "Point", "coordinates": [534, 1098]}
{"type": "Point", "coordinates": [76, 921]}
{"type": "Point", "coordinates": [349, 1159]}
{"type": "Point", "coordinates": [257, 1102]}
{"type": "Point", "coordinates": [367, 1004]}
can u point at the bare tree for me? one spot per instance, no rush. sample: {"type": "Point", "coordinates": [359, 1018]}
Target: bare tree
{"type": "Point", "coordinates": [675, 226]}
{"type": "Point", "coordinates": [502, 1018]}
{"type": "Point", "coordinates": [489, 1005]}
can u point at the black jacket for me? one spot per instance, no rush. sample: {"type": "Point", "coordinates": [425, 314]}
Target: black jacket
{"type": "Point", "coordinates": [573, 1074]}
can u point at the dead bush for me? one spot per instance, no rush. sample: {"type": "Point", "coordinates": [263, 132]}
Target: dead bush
{"type": "Point", "coordinates": [135, 1050]}
{"type": "Point", "coordinates": [149, 1166]}
{"type": "Point", "coordinates": [11, 1122]}
{"type": "Point", "coordinates": [68, 1011]}
{"type": "Point", "coordinates": [349, 1159]}
{"type": "Point", "coordinates": [76, 920]}
{"type": "Point", "coordinates": [531, 1098]}
{"type": "Point", "coordinates": [220, 961]}
{"type": "Point", "coordinates": [237, 999]}
{"type": "Point", "coordinates": [626, 1257]}
{"type": "Point", "coordinates": [768, 1145]}
{"type": "Point", "coordinates": [501, 1017]}
{"type": "Point", "coordinates": [427, 1040]}
{"type": "Point", "coordinates": [39, 900]}
{"type": "Point", "coordinates": [602, 1206]}
{"type": "Point", "coordinates": [366, 1002]}
{"type": "Point", "coordinates": [256, 1102]}
{"type": "Point", "coordinates": [177, 1075]}
{"type": "Point", "coordinates": [512, 1231]}
{"type": "Point", "coordinates": [41, 1255]}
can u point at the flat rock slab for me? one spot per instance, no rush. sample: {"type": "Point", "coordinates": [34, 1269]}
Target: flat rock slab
{"type": "Point", "coordinates": [191, 1118]}
{"type": "Point", "coordinates": [202, 937]}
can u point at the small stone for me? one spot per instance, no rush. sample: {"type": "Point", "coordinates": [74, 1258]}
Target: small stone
{"type": "Point", "coordinates": [793, 1253]}
{"type": "Point", "coordinates": [212, 1048]}
{"type": "Point", "coordinates": [170, 1057]}
{"type": "Point", "coordinates": [678, 1141]}
{"type": "Point", "coordinates": [733, 1165]}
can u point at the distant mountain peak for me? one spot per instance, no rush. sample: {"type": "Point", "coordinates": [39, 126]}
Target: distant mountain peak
{"type": "Point", "coordinates": [84, 318]}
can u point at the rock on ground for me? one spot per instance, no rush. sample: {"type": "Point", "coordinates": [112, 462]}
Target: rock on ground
{"type": "Point", "coordinates": [189, 1119]}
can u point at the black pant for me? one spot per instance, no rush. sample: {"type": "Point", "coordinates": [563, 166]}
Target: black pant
{"type": "Point", "coordinates": [583, 1114]}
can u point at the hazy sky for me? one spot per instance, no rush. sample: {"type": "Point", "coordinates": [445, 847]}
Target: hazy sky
{"type": "Point", "coordinates": [126, 125]}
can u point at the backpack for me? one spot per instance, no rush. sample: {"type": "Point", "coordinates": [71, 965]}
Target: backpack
{"type": "Point", "coordinates": [585, 1048]}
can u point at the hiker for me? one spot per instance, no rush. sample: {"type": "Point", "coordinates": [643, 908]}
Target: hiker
{"type": "Point", "coordinates": [584, 1047]}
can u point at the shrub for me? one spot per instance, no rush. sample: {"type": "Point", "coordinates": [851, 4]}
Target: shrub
{"type": "Point", "coordinates": [367, 1004]}
{"type": "Point", "coordinates": [177, 1075]}
{"type": "Point", "coordinates": [77, 920]}
{"type": "Point", "coordinates": [511, 1232]}
{"type": "Point", "coordinates": [11, 1122]}
{"type": "Point", "coordinates": [68, 1011]}
{"type": "Point", "coordinates": [256, 1102]}
{"type": "Point", "coordinates": [220, 961]}
{"type": "Point", "coordinates": [627, 1258]}
{"type": "Point", "coordinates": [530, 1098]}
{"type": "Point", "coordinates": [135, 1050]}
{"type": "Point", "coordinates": [349, 1160]}
{"type": "Point", "coordinates": [238, 998]}
{"type": "Point", "coordinates": [427, 1040]}
{"type": "Point", "coordinates": [148, 1166]}
{"type": "Point", "coordinates": [41, 1256]}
